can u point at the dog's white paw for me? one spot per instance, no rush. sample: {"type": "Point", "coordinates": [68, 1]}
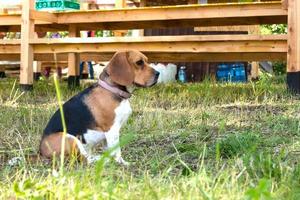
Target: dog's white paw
{"type": "Point", "coordinates": [121, 161]}
{"type": "Point", "coordinates": [15, 161]}
{"type": "Point", "coordinates": [93, 159]}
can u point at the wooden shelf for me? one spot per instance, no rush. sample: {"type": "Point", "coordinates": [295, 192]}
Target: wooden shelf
{"type": "Point", "coordinates": [157, 17]}
{"type": "Point", "coordinates": [164, 48]}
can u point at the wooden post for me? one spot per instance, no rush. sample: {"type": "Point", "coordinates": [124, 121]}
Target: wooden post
{"type": "Point", "coordinates": [293, 56]}
{"type": "Point", "coordinates": [143, 3]}
{"type": "Point", "coordinates": [120, 4]}
{"type": "Point", "coordinates": [27, 33]}
{"type": "Point", "coordinates": [73, 61]}
{"type": "Point", "coordinates": [254, 30]}
{"type": "Point", "coordinates": [37, 69]}
{"type": "Point", "coordinates": [254, 70]}
{"type": "Point", "coordinates": [37, 65]}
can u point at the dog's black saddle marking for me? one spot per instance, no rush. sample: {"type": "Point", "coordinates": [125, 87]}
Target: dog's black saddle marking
{"type": "Point", "coordinates": [77, 115]}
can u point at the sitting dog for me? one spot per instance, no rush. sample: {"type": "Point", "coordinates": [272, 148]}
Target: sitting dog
{"type": "Point", "coordinates": [98, 112]}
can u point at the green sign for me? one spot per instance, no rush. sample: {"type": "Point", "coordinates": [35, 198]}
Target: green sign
{"type": "Point", "coordinates": [57, 5]}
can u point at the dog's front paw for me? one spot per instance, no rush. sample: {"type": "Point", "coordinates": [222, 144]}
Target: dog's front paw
{"type": "Point", "coordinates": [121, 161]}
{"type": "Point", "coordinates": [93, 159]}
{"type": "Point", "coordinates": [15, 161]}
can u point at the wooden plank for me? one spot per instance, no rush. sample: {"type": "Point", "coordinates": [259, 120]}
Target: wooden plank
{"type": "Point", "coordinates": [191, 47]}
{"type": "Point", "coordinates": [10, 20]}
{"type": "Point", "coordinates": [15, 28]}
{"type": "Point", "coordinates": [171, 48]}
{"type": "Point", "coordinates": [187, 38]}
{"type": "Point", "coordinates": [27, 32]}
{"type": "Point", "coordinates": [43, 16]}
{"type": "Point", "coordinates": [10, 42]}
{"type": "Point", "coordinates": [170, 16]}
{"type": "Point", "coordinates": [263, 44]}
{"type": "Point", "coordinates": [163, 57]}
{"type": "Point", "coordinates": [9, 49]}
{"type": "Point", "coordinates": [214, 57]}
{"type": "Point", "coordinates": [293, 56]}
{"type": "Point", "coordinates": [199, 44]}
{"type": "Point", "coordinates": [243, 28]}
{"type": "Point", "coordinates": [212, 11]}
{"type": "Point", "coordinates": [13, 22]}
{"type": "Point", "coordinates": [54, 64]}
{"type": "Point", "coordinates": [10, 57]}
{"type": "Point", "coordinates": [183, 23]}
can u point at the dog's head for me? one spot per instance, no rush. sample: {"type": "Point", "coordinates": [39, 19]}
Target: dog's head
{"type": "Point", "coordinates": [129, 68]}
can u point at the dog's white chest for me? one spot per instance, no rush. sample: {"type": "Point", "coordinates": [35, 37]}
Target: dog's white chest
{"type": "Point", "coordinates": [122, 112]}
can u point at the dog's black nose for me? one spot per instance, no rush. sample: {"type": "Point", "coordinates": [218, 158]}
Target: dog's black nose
{"type": "Point", "coordinates": [157, 74]}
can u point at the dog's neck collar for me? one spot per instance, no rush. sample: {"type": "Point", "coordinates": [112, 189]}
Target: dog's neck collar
{"type": "Point", "coordinates": [115, 89]}
{"type": "Point", "coordinates": [121, 93]}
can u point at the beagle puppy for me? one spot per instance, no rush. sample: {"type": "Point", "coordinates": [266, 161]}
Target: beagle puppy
{"type": "Point", "coordinates": [98, 112]}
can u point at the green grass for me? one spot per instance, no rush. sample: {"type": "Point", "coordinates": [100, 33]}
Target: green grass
{"type": "Point", "coordinates": [193, 141]}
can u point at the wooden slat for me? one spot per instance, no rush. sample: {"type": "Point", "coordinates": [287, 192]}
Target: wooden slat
{"type": "Point", "coordinates": [10, 20]}
{"type": "Point", "coordinates": [162, 57]}
{"type": "Point", "coordinates": [214, 57]}
{"type": "Point", "coordinates": [10, 42]}
{"type": "Point", "coordinates": [164, 48]}
{"type": "Point", "coordinates": [175, 13]}
{"type": "Point", "coordinates": [184, 38]}
{"type": "Point", "coordinates": [190, 47]}
{"type": "Point", "coordinates": [210, 15]}
{"type": "Point", "coordinates": [171, 16]}
{"type": "Point", "coordinates": [43, 16]}
{"type": "Point", "coordinates": [190, 44]}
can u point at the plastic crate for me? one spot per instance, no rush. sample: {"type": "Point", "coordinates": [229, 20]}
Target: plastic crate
{"type": "Point", "coordinates": [57, 5]}
{"type": "Point", "coordinates": [234, 72]}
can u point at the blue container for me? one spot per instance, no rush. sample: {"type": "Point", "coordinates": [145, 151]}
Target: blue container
{"type": "Point", "coordinates": [234, 72]}
{"type": "Point", "coordinates": [182, 74]}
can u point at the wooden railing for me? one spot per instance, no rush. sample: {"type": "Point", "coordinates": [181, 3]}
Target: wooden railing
{"type": "Point", "coordinates": [168, 48]}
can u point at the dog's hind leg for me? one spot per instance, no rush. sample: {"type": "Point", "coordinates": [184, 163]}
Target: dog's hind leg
{"type": "Point", "coordinates": [51, 145]}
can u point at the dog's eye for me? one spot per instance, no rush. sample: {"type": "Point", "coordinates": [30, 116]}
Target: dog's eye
{"type": "Point", "coordinates": [140, 62]}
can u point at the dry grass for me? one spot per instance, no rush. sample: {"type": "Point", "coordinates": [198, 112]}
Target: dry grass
{"type": "Point", "coordinates": [200, 141]}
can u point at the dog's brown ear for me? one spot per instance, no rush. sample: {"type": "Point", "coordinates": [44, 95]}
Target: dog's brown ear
{"type": "Point", "coordinates": [119, 69]}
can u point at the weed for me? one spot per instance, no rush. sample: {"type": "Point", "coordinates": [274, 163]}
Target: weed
{"type": "Point", "coordinates": [238, 144]}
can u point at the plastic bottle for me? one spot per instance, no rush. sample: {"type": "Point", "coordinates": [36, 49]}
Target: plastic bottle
{"type": "Point", "coordinates": [182, 74]}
